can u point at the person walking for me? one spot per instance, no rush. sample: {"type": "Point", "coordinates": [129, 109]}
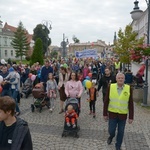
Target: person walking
{"type": "Point", "coordinates": [5, 86]}
{"type": "Point", "coordinates": [118, 103]}
{"type": "Point", "coordinates": [13, 78]}
{"type": "Point", "coordinates": [46, 69]}
{"type": "Point", "coordinates": [63, 78]}
{"type": "Point", "coordinates": [51, 88]}
{"type": "Point", "coordinates": [74, 88]}
{"type": "Point", "coordinates": [92, 98]}
{"type": "Point", "coordinates": [104, 82]}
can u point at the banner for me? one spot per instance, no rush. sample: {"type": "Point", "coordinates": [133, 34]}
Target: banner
{"type": "Point", "coordinates": [86, 53]}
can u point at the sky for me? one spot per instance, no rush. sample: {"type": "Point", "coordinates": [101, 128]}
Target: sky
{"type": "Point", "coordinates": [88, 20]}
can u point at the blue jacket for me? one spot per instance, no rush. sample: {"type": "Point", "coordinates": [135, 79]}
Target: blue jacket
{"type": "Point", "coordinates": [44, 73]}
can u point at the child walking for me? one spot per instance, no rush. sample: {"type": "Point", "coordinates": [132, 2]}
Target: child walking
{"type": "Point", "coordinates": [51, 88]}
{"type": "Point", "coordinates": [92, 98]}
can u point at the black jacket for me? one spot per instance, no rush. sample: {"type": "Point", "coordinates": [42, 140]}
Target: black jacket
{"type": "Point", "coordinates": [105, 81]}
{"type": "Point", "coordinates": [21, 139]}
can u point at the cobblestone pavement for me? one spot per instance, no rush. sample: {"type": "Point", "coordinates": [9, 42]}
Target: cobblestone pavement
{"type": "Point", "coordinates": [46, 128]}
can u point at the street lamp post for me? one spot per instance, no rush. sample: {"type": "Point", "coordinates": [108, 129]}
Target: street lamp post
{"type": "Point", "coordinates": [64, 44]}
{"type": "Point", "coordinates": [136, 15]}
{"type": "Point", "coordinates": [47, 24]}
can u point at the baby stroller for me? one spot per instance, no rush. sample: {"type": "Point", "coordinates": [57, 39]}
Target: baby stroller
{"type": "Point", "coordinates": [39, 98]}
{"type": "Point", "coordinates": [70, 130]}
{"type": "Point", "coordinates": [27, 87]}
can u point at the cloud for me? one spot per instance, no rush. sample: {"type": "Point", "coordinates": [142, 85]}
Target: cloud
{"type": "Point", "coordinates": [87, 20]}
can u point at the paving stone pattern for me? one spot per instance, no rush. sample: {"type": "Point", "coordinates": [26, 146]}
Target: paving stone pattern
{"type": "Point", "coordinates": [46, 128]}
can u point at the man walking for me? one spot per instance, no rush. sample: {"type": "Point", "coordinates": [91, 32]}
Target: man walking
{"type": "Point", "coordinates": [105, 81]}
{"type": "Point", "coordinates": [118, 102]}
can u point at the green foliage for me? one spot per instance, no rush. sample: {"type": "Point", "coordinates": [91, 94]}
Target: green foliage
{"type": "Point", "coordinates": [75, 39]}
{"type": "Point", "coordinates": [37, 52]}
{"type": "Point", "coordinates": [42, 33]}
{"type": "Point", "coordinates": [126, 41]}
{"type": "Point", "coordinates": [28, 58]}
{"type": "Point", "coordinates": [54, 54]}
{"type": "Point", "coordinates": [20, 41]}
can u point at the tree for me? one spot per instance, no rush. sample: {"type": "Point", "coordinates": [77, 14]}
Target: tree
{"type": "Point", "coordinates": [37, 52]}
{"type": "Point", "coordinates": [54, 54]}
{"type": "Point", "coordinates": [20, 42]}
{"type": "Point", "coordinates": [125, 43]}
{"type": "Point", "coordinates": [75, 39]}
{"type": "Point", "coordinates": [42, 33]}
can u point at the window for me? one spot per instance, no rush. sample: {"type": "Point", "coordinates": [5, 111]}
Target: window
{"type": "Point", "coordinates": [10, 40]}
{"type": "Point", "coordinates": [5, 53]}
{"type": "Point", "coordinates": [11, 52]}
{"type": "Point", "coordinates": [5, 40]}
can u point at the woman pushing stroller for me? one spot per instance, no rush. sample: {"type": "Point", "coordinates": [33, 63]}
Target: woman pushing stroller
{"type": "Point", "coordinates": [74, 88]}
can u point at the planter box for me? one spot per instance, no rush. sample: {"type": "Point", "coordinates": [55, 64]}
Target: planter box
{"type": "Point", "coordinates": [138, 95]}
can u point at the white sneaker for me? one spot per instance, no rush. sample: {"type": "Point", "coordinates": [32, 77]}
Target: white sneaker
{"type": "Point", "coordinates": [73, 125]}
{"type": "Point", "coordinates": [50, 109]}
{"type": "Point", "coordinates": [68, 124]}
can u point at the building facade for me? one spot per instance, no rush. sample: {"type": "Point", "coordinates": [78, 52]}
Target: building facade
{"type": "Point", "coordinates": [141, 26]}
{"type": "Point", "coordinates": [100, 46]}
{"type": "Point", "coordinates": [6, 36]}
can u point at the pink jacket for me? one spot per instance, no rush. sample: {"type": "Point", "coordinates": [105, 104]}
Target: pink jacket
{"type": "Point", "coordinates": [85, 72]}
{"type": "Point", "coordinates": [73, 88]}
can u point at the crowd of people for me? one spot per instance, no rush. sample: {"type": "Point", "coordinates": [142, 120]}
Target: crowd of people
{"type": "Point", "coordinates": [65, 77]}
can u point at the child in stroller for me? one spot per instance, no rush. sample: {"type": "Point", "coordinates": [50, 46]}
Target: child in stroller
{"type": "Point", "coordinates": [71, 115]}
{"type": "Point", "coordinates": [27, 88]}
{"type": "Point", "coordinates": [40, 98]}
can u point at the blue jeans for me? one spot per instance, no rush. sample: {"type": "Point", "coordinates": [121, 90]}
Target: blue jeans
{"type": "Point", "coordinates": [14, 93]}
{"type": "Point", "coordinates": [120, 125]}
{"type": "Point", "coordinates": [6, 92]}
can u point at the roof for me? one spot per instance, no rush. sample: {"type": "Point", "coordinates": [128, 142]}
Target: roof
{"type": "Point", "coordinates": [14, 29]}
{"type": "Point", "coordinates": [9, 28]}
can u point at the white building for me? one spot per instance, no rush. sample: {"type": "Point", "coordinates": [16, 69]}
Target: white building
{"type": "Point", "coordinates": [6, 36]}
{"type": "Point", "coordinates": [140, 25]}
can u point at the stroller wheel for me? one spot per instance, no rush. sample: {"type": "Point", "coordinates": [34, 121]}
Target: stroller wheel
{"type": "Point", "coordinates": [26, 96]}
{"type": "Point", "coordinates": [40, 109]}
{"type": "Point", "coordinates": [78, 128]}
{"type": "Point", "coordinates": [76, 135]}
{"type": "Point", "coordinates": [62, 135]}
{"type": "Point", "coordinates": [32, 107]}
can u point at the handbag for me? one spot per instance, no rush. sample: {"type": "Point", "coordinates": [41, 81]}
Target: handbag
{"type": "Point", "coordinates": [52, 94]}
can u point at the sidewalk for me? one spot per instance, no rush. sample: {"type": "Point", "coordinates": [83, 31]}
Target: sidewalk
{"type": "Point", "coordinates": [46, 129]}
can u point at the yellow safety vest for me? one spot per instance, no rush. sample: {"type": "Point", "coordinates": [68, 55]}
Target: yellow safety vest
{"type": "Point", "coordinates": [119, 103]}
{"type": "Point", "coordinates": [117, 65]}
